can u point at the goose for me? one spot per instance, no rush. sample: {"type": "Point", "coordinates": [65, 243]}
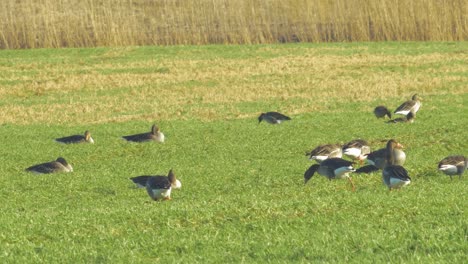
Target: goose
{"type": "Point", "coordinates": [273, 118]}
{"type": "Point", "coordinates": [356, 149]}
{"type": "Point", "coordinates": [140, 181]}
{"type": "Point", "coordinates": [408, 119]}
{"type": "Point", "coordinates": [324, 152]}
{"type": "Point", "coordinates": [332, 168]}
{"type": "Point", "coordinates": [394, 176]}
{"type": "Point", "coordinates": [453, 165]}
{"type": "Point", "coordinates": [382, 111]}
{"type": "Point", "coordinates": [86, 138]}
{"type": "Point", "coordinates": [377, 159]}
{"type": "Point", "coordinates": [159, 187]}
{"type": "Point", "coordinates": [154, 135]}
{"type": "Point", "coordinates": [56, 166]}
{"type": "Point", "coordinates": [414, 104]}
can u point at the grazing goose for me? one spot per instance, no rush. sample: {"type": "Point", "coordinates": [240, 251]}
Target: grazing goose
{"type": "Point", "coordinates": [411, 105]}
{"type": "Point", "coordinates": [273, 118]}
{"type": "Point", "coordinates": [154, 135]}
{"type": "Point", "coordinates": [394, 176]}
{"type": "Point", "coordinates": [324, 152]}
{"type": "Point", "coordinates": [453, 165]}
{"type": "Point", "coordinates": [382, 111]}
{"type": "Point", "coordinates": [86, 138]}
{"type": "Point", "coordinates": [408, 119]}
{"type": "Point", "coordinates": [331, 168]}
{"type": "Point", "coordinates": [140, 181]}
{"type": "Point", "coordinates": [159, 187]}
{"type": "Point", "coordinates": [59, 165]}
{"type": "Point", "coordinates": [356, 149]}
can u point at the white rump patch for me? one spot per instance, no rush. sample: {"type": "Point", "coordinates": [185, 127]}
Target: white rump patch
{"type": "Point", "coordinates": [177, 185]}
{"type": "Point", "coordinates": [398, 183]}
{"type": "Point", "coordinates": [319, 158]}
{"type": "Point", "coordinates": [161, 137]}
{"type": "Point", "coordinates": [353, 152]}
{"type": "Point", "coordinates": [448, 169]}
{"type": "Point", "coordinates": [161, 193]}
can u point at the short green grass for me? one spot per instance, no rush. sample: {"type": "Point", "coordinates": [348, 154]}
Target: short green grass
{"type": "Point", "coordinates": [242, 197]}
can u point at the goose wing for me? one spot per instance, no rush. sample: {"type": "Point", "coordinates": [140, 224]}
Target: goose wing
{"type": "Point", "coordinates": [278, 116]}
{"type": "Point", "coordinates": [406, 106]}
{"type": "Point", "coordinates": [396, 172]}
{"type": "Point", "coordinates": [139, 137]}
{"type": "Point", "coordinates": [140, 181]}
{"type": "Point", "coordinates": [47, 167]}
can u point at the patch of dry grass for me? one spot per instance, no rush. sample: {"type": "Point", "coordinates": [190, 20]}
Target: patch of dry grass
{"type": "Point", "coordinates": [115, 87]}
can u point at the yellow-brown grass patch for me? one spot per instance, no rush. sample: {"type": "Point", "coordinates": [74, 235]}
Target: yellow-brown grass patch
{"type": "Point", "coordinates": [220, 88]}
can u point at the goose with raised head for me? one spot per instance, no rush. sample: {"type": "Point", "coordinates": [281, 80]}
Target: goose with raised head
{"type": "Point", "coordinates": [394, 176]}
{"type": "Point", "coordinates": [159, 187]}
{"type": "Point", "coordinates": [140, 181]}
{"type": "Point", "coordinates": [154, 135]}
{"type": "Point", "coordinates": [56, 166]}
{"type": "Point", "coordinates": [408, 119]}
{"type": "Point", "coordinates": [377, 160]}
{"type": "Point", "coordinates": [411, 105]}
{"type": "Point", "coordinates": [74, 139]}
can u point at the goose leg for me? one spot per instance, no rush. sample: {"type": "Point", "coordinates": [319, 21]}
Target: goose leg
{"type": "Point", "coordinates": [352, 184]}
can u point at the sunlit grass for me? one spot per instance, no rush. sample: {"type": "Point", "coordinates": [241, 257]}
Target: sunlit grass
{"type": "Point", "coordinates": [242, 197]}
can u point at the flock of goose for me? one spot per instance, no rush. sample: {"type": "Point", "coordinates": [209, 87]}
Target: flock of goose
{"type": "Point", "coordinates": [328, 156]}
{"type": "Point", "coordinates": [389, 159]}
{"type": "Point", "coordinates": [158, 187]}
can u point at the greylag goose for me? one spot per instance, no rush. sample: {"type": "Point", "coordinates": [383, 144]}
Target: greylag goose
{"type": "Point", "coordinates": [159, 187]}
{"type": "Point", "coordinates": [411, 105]}
{"type": "Point", "coordinates": [356, 149]}
{"type": "Point", "coordinates": [324, 152]}
{"type": "Point", "coordinates": [154, 135]}
{"type": "Point", "coordinates": [86, 138]}
{"type": "Point", "coordinates": [140, 181]}
{"type": "Point", "coordinates": [394, 176]}
{"type": "Point", "coordinates": [382, 111]}
{"type": "Point", "coordinates": [56, 166]}
{"type": "Point", "coordinates": [332, 168]}
{"type": "Point", "coordinates": [408, 119]}
{"type": "Point", "coordinates": [377, 159]}
{"type": "Point", "coordinates": [453, 165]}
{"type": "Point", "coordinates": [273, 117]}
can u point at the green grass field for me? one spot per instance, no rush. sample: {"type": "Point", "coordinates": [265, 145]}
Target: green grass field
{"type": "Point", "coordinates": [243, 198]}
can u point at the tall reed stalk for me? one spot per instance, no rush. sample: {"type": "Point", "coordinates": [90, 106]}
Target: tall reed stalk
{"type": "Point", "coordinates": [84, 23]}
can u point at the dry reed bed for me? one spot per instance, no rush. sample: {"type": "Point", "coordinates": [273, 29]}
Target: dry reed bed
{"type": "Point", "coordinates": [84, 23]}
{"type": "Point", "coordinates": [218, 88]}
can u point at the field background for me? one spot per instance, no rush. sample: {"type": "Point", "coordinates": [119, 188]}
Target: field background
{"type": "Point", "coordinates": [243, 197]}
{"type": "Point", "coordinates": [86, 23]}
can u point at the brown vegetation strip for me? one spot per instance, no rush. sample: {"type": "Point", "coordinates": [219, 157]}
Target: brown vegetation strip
{"type": "Point", "coordinates": [219, 88]}
{"type": "Point", "coordinates": [85, 23]}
